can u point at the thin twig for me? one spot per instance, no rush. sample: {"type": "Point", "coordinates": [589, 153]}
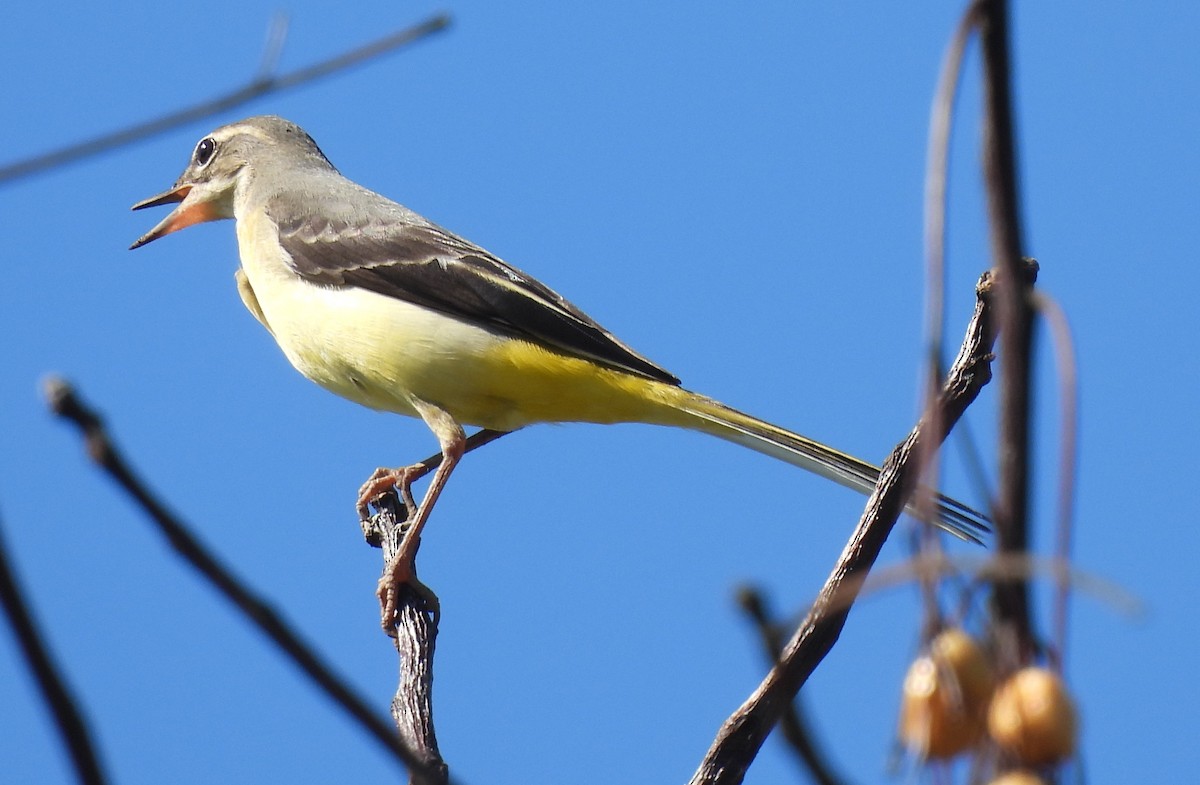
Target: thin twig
{"type": "Point", "coordinates": [1010, 599]}
{"type": "Point", "coordinates": [975, 570]}
{"type": "Point", "coordinates": [793, 724]}
{"type": "Point", "coordinates": [743, 733]}
{"type": "Point", "coordinates": [988, 569]}
{"type": "Point", "coordinates": [65, 403]}
{"type": "Point", "coordinates": [67, 716]}
{"type": "Point", "coordinates": [261, 85]}
{"type": "Point", "coordinates": [1068, 464]}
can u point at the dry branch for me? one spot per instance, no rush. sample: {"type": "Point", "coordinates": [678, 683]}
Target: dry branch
{"type": "Point", "coordinates": [66, 404]}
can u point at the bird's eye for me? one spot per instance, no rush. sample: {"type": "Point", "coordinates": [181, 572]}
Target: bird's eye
{"type": "Point", "coordinates": [204, 151]}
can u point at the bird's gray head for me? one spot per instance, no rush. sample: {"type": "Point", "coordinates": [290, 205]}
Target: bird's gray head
{"type": "Point", "coordinates": [259, 150]}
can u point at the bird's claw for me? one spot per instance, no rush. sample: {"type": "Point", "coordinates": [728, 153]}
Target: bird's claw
{"type": "Point", "coordinates": [382, 481]}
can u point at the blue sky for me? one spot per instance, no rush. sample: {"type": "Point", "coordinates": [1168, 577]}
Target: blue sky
{"type": "Point", "coordinates": [736, 192]}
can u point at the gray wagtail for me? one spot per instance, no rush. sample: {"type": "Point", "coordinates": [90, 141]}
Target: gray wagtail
{"type": "Point", "coordinates": [381, 306]}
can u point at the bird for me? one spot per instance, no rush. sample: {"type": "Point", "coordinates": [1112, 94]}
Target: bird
{"type": "Point", "coordinates": [381, 306]}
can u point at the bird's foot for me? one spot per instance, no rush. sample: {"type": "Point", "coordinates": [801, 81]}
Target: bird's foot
{"type": "Point", "coordinates": [398, 575]}
{"type": "Point", "coordinates": [384, 480]}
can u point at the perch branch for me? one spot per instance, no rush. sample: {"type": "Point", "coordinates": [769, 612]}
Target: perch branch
{"type": "Point", "coordinates": [414, 632]}
{"type": "Point", "coordinates": [415, 637]}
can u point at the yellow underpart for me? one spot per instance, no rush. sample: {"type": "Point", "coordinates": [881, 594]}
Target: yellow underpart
{"type": "Point", "coordinates": [518, 382]}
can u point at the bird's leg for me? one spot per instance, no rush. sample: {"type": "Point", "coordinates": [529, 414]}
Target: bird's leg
{"type": "Point", "coordinates": [383, 480]}
{"type": "Point", "coordinates": [399, 569]}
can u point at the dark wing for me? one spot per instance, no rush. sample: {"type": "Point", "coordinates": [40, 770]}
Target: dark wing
{"type": "Point", "coordinates": [398, 254]}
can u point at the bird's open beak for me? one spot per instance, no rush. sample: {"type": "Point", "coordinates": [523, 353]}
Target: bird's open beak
{"type": "Point", "coordinates": [192, 209]}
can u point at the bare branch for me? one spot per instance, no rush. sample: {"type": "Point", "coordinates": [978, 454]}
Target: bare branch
{"type": "Point", "coordinates": [743, 733]}
{"type": "Point", "coordinates": [1011, 598]}
{"type": "Point", "coordinates": [67, 715]}
{"type": "Point", "coordinates": [261, 85]}
{"type": "Point", "coordinates": [65, 403]}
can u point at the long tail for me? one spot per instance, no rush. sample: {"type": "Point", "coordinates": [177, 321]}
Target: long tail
{"type": "Point", "coordinates": [724, 422]}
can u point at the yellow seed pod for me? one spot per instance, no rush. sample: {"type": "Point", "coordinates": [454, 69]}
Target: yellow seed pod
{"type": "Point", "coordinates": [945, 696]}
{"type": "Point", "coordinates": [1019, 777]}
{"type": "Point", "coordinates": [1032, 716]}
